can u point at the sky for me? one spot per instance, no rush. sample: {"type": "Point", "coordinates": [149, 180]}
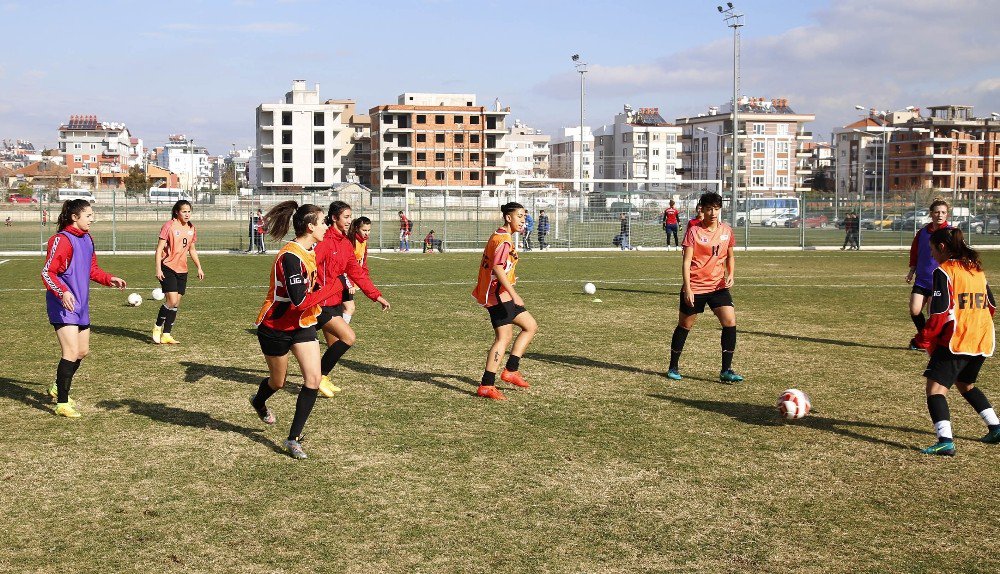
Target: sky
{"type": "Point", "coordinates": [202, 67]}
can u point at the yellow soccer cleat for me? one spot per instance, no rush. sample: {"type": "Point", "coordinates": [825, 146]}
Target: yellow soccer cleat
{"type": "Point", "coordinates": [66, 410]}
{"type": "Point", "coordinates": [166, 339]}
{"type": "Point", "coordinates": [327, 388]}
{"type": "Point", "coordinates": [157, 334]}
{"type": "Point", "coordinates": [54, 393]}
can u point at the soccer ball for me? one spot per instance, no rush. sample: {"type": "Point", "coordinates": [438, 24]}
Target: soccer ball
{"type": "Point", "coordinates": [158, 294]}
{"type": "Point", "coordinates": [638, 247]}
{"type": "Point", "coordinates": [793, 404]}
{"type": "Point", "coordinates": [135, 299]}
{"type": "Point", "coordinates": [589, 288]}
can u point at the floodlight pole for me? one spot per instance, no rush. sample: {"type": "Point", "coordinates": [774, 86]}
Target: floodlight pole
{"type": "Point", "coordinates": [734, 20]}
{"type": "Point", "coordinates": [581, 67]}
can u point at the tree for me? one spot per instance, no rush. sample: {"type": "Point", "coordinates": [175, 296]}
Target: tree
{"type": "Point", "coordinates": [228, 184]}
{"type": "Point", "coordinates": [136, 182]}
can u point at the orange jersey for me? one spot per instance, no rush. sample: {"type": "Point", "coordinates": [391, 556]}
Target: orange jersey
{"type": "Point", "coordinates": [961, 312]}
{"type": "Point", "coordinates": [361, 251]}
{"type": "Point", "coordinates": [708, 261]}
{"type": "Point", "coordinates": [500, 250]}
{"type": "Point", "coordinates": [293, 264]}
{"type": "Point", "coordinates": [179, 240]}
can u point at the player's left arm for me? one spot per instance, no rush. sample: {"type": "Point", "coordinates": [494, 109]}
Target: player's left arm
{"type": "Point", "coordinates": [103, 277]}
{"type": "Point", "coordinates": [731, 261]}
{"type": "Point", "coordinates": [937, 311]}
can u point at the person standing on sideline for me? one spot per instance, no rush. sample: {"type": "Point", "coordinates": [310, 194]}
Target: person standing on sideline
{"type": "Point", "coordinates": [851, 226]}
{"type": "Point", "coordinates": [959, 335]}
{"type": "Point", "coordinates": [626, 228]}
{"type": "Point", "coordinates": [543, 229]}
{"type": "Point", "coordinates": [70, 266]}
{"type": "Point", "coordinates": [923, 264]}
{"type": "Point", "coordinates": [176, 240]}
{"type": "Point", "coordinates": [708, 269]}
{"type": "Point", "coordinates": [405, 227]}
{"type": "Point", "coordinates": [529, 226]}
{"type": "Point", "coordinates": [670, 217]}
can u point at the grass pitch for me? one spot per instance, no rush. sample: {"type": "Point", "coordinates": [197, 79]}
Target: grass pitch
{"type": "Point", "coordinates": [602, 466]}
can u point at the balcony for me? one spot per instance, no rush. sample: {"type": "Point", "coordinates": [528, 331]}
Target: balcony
{"type": "Point", "coordinates": [804, 136]}
{"type": "Point", "coordinates": [398, 130]}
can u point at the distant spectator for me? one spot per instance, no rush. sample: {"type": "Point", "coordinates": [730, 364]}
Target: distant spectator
{"type": "Point", "coordinates": [405, 228]}
{"type": "Point", "coordinates": [529, 226]}
{"type": "Point", "coordinates": [543, 229]}
{"type": "Point", "coordinates": [670, 217]}
{"type": "Point", "coordinates": [431, 243]}
{"type": "Point", "coordinates": [626, 227]}
{"type": "Point", "coordinates": [851, 224]}
{"type": "Point", "coordinates": [7, 222]}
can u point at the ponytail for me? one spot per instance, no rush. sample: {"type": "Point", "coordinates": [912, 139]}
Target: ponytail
{"type": "Point", "coordinates": [352, 231]}
{"type": "Point", "coordinates": [69, 209]}
{"type": "Point", "coordinates": [278, 218]}
{"type": "Point", "coordinates": [956, 248]}
{"type": "Point", "coordinates": [336, 208]}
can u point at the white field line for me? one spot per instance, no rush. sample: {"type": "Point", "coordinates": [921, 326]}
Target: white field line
{"type": "Point", "coordinates": [4, 261]}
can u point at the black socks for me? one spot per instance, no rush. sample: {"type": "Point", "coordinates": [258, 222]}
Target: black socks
{"type": "Point", "coordinates": [919, 321]}
{"type": "Point", "coordinates": [677, 345]}
{"type": "Point", "coordinates": [161, 316]}
{"type": "Point", "coordinates": [64, 378]}
{"type": "Point", "coordinates": [333, 354]}
{"type": "Point", "coordinates": [264, 392]}
{"type": "Point", "coordinates": [938, 407]}
{"type": "Point", "coordinates": [171, 317]}
{"type": "Point", "coordinates": [728, 347]}
{"type": "Point", "coordinates": [489, 379]}
{"type": "Point", "coordinates": [513, 363]}
{"type": "Point", "coordinates": [303, 406]}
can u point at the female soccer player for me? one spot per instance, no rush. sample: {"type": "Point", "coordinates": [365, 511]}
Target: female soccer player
{"type": "Point", "coordinates": [287, 320]}
{"type": "Point", "coordinates": [337, 265]}
{"type": "Point", "coordinates": [358, 233]}
{"type": "Point", "coordinates": [922, 265]}
{"type": "Point", "coordinates": [958, 335]}
{"type": "Point", "coordinates": [177, 239]}
{"type": "Point", "coordinates": [495, 291]}
{"type": "Point", "coordinates": [709, 269]}
{"type": "Point", "coordinates": [70, 266]}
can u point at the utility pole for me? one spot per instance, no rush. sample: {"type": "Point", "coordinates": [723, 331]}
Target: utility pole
{"type": "Point", "coordinates": [581, 67]}
{"type": "Point", "coordinates": [734, 20]}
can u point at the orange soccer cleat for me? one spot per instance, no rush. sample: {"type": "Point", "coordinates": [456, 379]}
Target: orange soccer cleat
{"type": "Point", "coordinates": [514, 378]}
{"type": "Point", "coordinates": [490, 392]}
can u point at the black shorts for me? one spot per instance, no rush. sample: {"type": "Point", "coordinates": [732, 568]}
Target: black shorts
{"type": "Point", "coordinates": [946, 367]}
{"type": "Point", "coordinates": [173, 282]}
{"type": "Point", "coordinates": [347, 288]}
{"type": "Point", "coordinates": [715, 299]}
{"type": "Point", "coordinates": [670, 228]}
{"type": "Point", "coordinates": [327, 313]}
{"type": "Point", "coordinates": [58, 326]}
{"type": "Point", "coordinates": [922, 291]}
{"type": "Point", "coordinates": [278, 343]}
{"type": "Point", "coordinates": [504, 313]}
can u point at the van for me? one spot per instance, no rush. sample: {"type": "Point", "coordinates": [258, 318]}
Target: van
{"type": "Point", "coordinates": [167, 195]}
{"type": "Point", "coordinates": [68, 193]}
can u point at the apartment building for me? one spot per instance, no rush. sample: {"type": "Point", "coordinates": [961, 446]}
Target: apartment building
{"type": "Point", "coordinates": [428, 140]}
{"type": "Point", "coordinates": [951, 151]}
{"type": "Point", "coordinates": [772, 160]}
{"type": "Point", "coordinates": [98, 153]}
{"type": "Point", "coordinates": [358, 162]}
{"type": "Point", "coordinates": [641, 145]}
{"type": "Point", "coordinates": [565, 157]}
{"type": "Point", "coordinates": [302, 142]}
{"type": "Point", "coordinates": [527, 152]}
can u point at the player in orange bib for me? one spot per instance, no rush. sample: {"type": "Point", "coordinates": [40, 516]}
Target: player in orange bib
{"type": "Point", "coordinates": [958, 335]}
{"type": "Point", "coordinates": [358, 232]}
{"type": "Point", "coordinates": [177, 239]}
{"type": "Point", "coordinates": [287, 319]}
{"type": "Point", "coordinates": [495, 291]}
{"type": "Point", "coordinates": [709, 269]}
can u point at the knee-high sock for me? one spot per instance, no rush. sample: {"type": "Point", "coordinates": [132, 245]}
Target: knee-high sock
{"type": "Point", "coordinates": [264, 392]}
{"type": "Point", "coordinates": [982, 406]}
{"type": "Point", "coordinates": [919, 321]}
{"type": "Point", "coordinates": [64, 379]}
{"type": "Point", "coordinates": [333, 354]}
{"type": "Point", "coordinates": [171, 317]}
{"type": "Point", "coordinates": [161, 316]}
{"type": "Point", "coordinates": [728, 347]}
{"type": "Point", "coordinates": [677, 345]}
{"type": "Point", "coordinates": [303, 406]}
{"type": "Point", "coordinates": [938, 407]}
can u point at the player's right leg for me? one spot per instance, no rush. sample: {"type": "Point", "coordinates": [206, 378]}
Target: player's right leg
{"type": "Point", "coordinates": [726, 314]}
{"type": "Point", "coordinates": [339, 339]}
{"type": "Point", "coordinates": [512, 370]}
{"type": "Point", "coordinates": [917, 300]}
{"type": "Point", "coordinates": [686, 318]}
{"type": "Point", "coordinates": [937, 405]}
{"type": "Point", "coordinates": [487, 386]}
{"type": "Point", "coordinates": [308, 356]}
{"type": "Point", "coordinates": [70, 346]}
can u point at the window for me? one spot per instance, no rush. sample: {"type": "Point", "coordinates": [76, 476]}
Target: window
{"type": "Point", "coordinates": [459, 138]}
{"type": "Point", "coordinates": [421, 138]}
{"type": "Point", "coordinates": [318, 156]}
{"type": "Point", "coordinates": [782, 164]}
{"type": "Point", "coordinates": [473, 157]}
{"type": "Point", "coordinates": [319, 138]}
{"type": "Point", "coordinates": [388, 119]}
{"type": "Point", "coordinates": [286, 137]}
{"type": "Point", "coordinates": [421, 175]}
{"type": "Point", "coordinates": [77, 146]}
{"type": "Point", "coordinates": [758, 129]}
{"type": "Point", "coordinates": [286, 175]}
{"type": "Point", "coordinates": [782, 129]}
{"type": "Point", "coordinates": [474, 138]}
{"type": "Point", "coordinates": [600, 170]}
{"type": "Point", "coordinates": [286, 156]}
{"type": "Point", "coordinates": [640, 138]}
{"type": "Point", "coordinates": [286, 118]}
{"type": "Point", "coordinates": [624, 137]}
{"type": "Point", "coordinates": [93, 146]}
{"type": "Point", "coordinates": [757, 181]}
{"type": "Point", "coordinates": [438, 138]}
{"type": "Point", "coordinates": [78, 158]}
{"type": "Point", "coordinates": [318, 175]}
{"type": "Point", "coordinates": [457, 176]}
{"type": "Point", "coordinates": [439, 175]}
{"type": "Point", "coordinates": [758, 164]}
{"type": "Point", "coordinates": [656, 137]}
{"type": "Point", "coordinates": [439, 120]}
{"type": "Point", "coordinates": [439, 156]}
{"type": "Point", "coordinates": [319, 118]}
{"type": "Point", "coordinates": [457, 157]}
{"type": "Point", "coordinates": [421, 156]}
{"type": "Point", "coordinates": [656, 151]}
{"type": "Point", "coordinates": [783, 147]}
{"type": "Point", "coordinates": [474, 120]}
{"type": "Point", "coordinates": [781, 181]}
{"type": "Point", "coordinates": [459, 119]}
{"type": "Point", "coordinates": [758, 147]}
{"type": "Point", "coordinates": [421, 119]}
{"type": "Point", "coordinates": [474, 176]}
{"type": "Point", "coordinates": [656, 167]}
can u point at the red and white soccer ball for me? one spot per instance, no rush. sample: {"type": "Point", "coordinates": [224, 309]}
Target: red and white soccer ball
{"type": "Point", "coordinates": [793, 404]}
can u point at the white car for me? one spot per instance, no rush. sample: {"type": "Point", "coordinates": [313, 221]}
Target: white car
{"type": "Point", "coordinates": [779, 219]}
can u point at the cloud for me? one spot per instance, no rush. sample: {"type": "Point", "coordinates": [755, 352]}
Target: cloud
{"type": "Point", "coordinates": [249, 28]}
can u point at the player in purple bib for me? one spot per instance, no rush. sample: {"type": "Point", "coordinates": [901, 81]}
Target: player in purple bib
{"type": "Point", "coordinates": [70, 266]}
{"type": "Point", "coordinates": [923, 264]}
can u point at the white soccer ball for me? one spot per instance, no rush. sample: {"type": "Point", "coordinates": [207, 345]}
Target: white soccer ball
{"type": "Point", "coordinates": [794, 404]}
{"type": "Point", "coordinates": [589, 288]}
{"type": "Point", "coordinates": [638, 247]}
{"type": "Point", "coordinates": [158, 294]}
{"type": "Point", "coordinates": [135, 299]}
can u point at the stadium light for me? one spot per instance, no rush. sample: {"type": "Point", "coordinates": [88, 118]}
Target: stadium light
{"type": "Point", "coordinates": [581, 67]}
{"type": "Point", "coordinates": [734, 20]}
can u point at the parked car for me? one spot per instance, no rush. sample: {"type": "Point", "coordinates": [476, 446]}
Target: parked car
{"type": "Point", "coordinates": [965, 223]}
{"type": "Point", "coordinates": [779, 219]}
{"type": "Point", "coordinates": [866, 223]}
{"type": "Point", "coordinates": [18, 198]}
{"type": "Point", "coordinates": [911, 222]}
{"type": "Point", "coordinates": [885, 222]}
{"type": "Point", "coordinates": [811, 222]}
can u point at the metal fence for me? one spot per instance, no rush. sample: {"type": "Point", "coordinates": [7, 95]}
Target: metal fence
{"type": "Point", "coordinates": [464, 219]}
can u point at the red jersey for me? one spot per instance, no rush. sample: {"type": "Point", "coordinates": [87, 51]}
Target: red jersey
{"type": "Point", "coordinates": [291, 301]}
{"type": "Point", "coordinates": [708, 261]}
{"type": "Point", "coordinates": [405, 225]}
{"type": "Point", "coordinates": [57, 262]}
{"type": "Point", "coordinates": [179, 240]}
{"type": "Point", "coordinates": [361, 251]}
{"type": "Point", "coordinates": [670, 216]}
{"type": "Point", "coordinates": [335, 256]}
